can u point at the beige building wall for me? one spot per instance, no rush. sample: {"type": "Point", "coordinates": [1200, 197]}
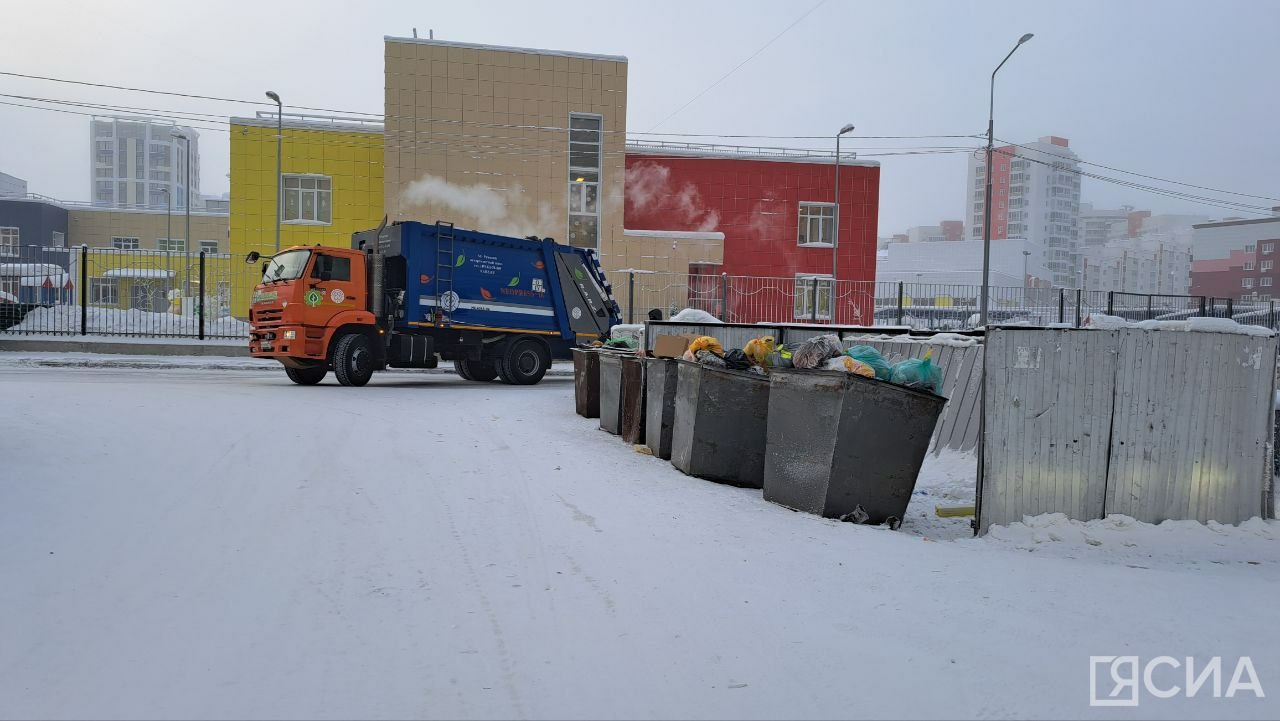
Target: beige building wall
{"type": "Point", "coordinates": [659, 261]}
{"type": "Point", "coordinates": [97, 227]}
{"type": "Point", "coordinates": [479, 136]}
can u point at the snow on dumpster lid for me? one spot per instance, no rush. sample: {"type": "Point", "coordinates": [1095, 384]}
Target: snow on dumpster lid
{"type": "Point", "coordinates": [138, 273]}
{"type": "Point", "coordinates": [1100, 321]}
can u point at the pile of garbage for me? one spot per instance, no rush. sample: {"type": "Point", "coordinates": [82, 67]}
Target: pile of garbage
{"type": "Point", "coordinates": [824, 352]}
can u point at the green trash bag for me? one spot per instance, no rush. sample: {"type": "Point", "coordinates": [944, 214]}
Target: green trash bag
{"type": "Point", "coordinates": [871, 357]}
{"type": "Point", "coordinates": [918, 373]}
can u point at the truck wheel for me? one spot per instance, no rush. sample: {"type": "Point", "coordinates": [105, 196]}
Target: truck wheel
{"type": "Point", "coordinates": [306, 376]}
{"type": "Point", "coordinates": [524, 362]}
{"type": "Point", "coordinates": [472, 370]}
{"type": "Point", "coordinates": [353, 360]}
{"type": "Point", "coordinates": [460, 367]}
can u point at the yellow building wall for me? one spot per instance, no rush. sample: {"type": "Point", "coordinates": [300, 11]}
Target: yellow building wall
{"type": "Point", "coordinates": [351, 159]}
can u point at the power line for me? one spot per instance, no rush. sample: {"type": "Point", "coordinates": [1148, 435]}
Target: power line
{"type": "Point", "coordinates": [761, 49]}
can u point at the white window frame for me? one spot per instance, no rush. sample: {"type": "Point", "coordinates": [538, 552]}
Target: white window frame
{"type": "Point", "coordinates": [125, 242]}
{"type": "Point", "coordinates": [1250, 248]}
{"type": "Point", "coordinates": [10, 241]}
{"type": "Point", "coordinates": [104, 291]}
{"type": "Point", "coordinates": [1264, 282]}
{"type": "Point", "coordinates": [302, 193]}
{"type": "Point", "coordinates": [1248, 265]}
{"type": "Point", "coordinates": [580, 195]}
{"type": "Point", "coordinates": [58, 239]}
{"type": "Point", "coordinates": [806, 217]}
{"type": "Point", "coordinates": [802, 306]}
{"type": "Point", "coordinates": [1265, 265]}
{"type": "Point", "coordinates": [1268, 247]}
{"type": "Point", "coordinates": [209, 246]}
{"type": "Point", "coordinates": [171, 245]}
{"type": "Point", "coordinates": [1246, 282]}
{"type": "Point", "coordinates": [11, 287]}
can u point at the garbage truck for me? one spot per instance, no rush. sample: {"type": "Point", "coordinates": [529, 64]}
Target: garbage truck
{"type": "Point", "coordinates": [411, 294]}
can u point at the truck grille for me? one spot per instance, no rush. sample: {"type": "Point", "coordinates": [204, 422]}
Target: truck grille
{"type": "Point", "coordinates": [267, 316]}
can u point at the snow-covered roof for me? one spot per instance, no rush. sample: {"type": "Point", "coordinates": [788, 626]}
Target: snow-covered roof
{"type": "Point", "coordinates": [12, 270]}
{"type": "Point", "coordinates": [504, 48]}
{"type": "Point", "coordinates": [138, 273]}
{"type": "Point", "coordinates": [662, 149]}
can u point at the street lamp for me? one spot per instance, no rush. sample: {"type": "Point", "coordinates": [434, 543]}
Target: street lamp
{"type": "Point", "coordinates": [835, 234]}
{"type": "Point", "coordinates": [986, 222]}
{"type": "Point", "coordinates": [1026, 256]}
{"type": "Point", "coordinates": [168, 218]}
{"type": "Point", "coordinates": [186, 206]}
{"type": "Point", "coordinates": [279, 180]}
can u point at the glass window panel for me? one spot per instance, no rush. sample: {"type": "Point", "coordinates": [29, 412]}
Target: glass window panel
{"type": "Point", "coordinates": [308, 183]}
{"type": "Point", "coordinates": [575, 197]}
{"type": "Point", "coordinates": [308, 206]}
{"type": "Point", "coordinates": [584, 158]}
{"type": "Point", "coordinates": [591, 193]}
{"type": "Point", "coordinates": [322, 183]}
{"type": "Point", "coordinates": [584, 176]}
{"type": "Point", "coordinates": [578, 122]}
{"type": "Point", "coordinates": [290, 181]}
{"type": "Point", "coordinates": [291, 202]}
{"type": "Point", "coordinates": [323, 212]}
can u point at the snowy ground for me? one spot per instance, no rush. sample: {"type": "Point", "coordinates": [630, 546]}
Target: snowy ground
{"type": "Point", "coordinates": [199, 543]}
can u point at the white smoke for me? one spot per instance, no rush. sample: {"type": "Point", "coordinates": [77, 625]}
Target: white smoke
{"type": "Point", "coordinates": [649, 188]}
{"type": "Point", "coordinates": [502, 212]}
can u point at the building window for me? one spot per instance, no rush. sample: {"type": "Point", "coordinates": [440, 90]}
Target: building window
{"type": "Point", "coordinates": [1249, 248]}
{"type": "Point", "coordinates": [807, 286]}
{"type": "Point", "coordinates": [9, 240]}
{"type": "Point", "coordinates": [585, 143]}
{"type": "Point", "coordinates": [122, 243]}
{"type": "Point", "coordinates": [817, 224]}
{"type": "Point", "coordinates": [209, 246]}
{"type": "Point", "coordinates": [1265, 297]}
{"type": "Point", "coordinates": [104, 291]}
{"type": "Point", "coordinates": [1265, 282]}
{"type": "Point", "coordinates": [10, 288]}
{"type": "Point", "coordinates": [1246, 282]}
{"type": "Point", "coordinates": [58, 238]}
{"type": "Point", "coordinates": [172, 245]}
{"type": "Point", "coordinates": [1268, 247]}
{"type": "Point", "coordinates": [307, 199]}
{"type": "Point", "coordinates": [1248, 265]}
{"type": "Point", "coordinates": [1266, 265]}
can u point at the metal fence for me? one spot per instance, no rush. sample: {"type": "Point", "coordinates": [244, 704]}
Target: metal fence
{"type": "Point", "coordinates": [106, 291]}
{"type": "Point", "coordinates": [925, 306]}
{"type": "Point", "coordinates": [146, 293]}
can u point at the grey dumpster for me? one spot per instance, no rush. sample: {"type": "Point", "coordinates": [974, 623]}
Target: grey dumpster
{"type": "Point", "coordinates": [844, 446]}
{"type": "Point", "coordinates": [660, 404]}
{"type": "Point", "coordinates": [631, 418]}
{"type": "Point", "coordinates": [720, 424]}
{"type": "Point", "coordinates": [610, 392]}
{"type": "Point", "coordinates": [586, 382]}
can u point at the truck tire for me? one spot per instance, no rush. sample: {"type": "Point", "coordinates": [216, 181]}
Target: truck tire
{"type": "Point", "coordinates": [524, 362]}
{"type": "Point", "coordinates": [306, 376]}
{"type": "Point", "coordinates": [353, 360]}
{"type": "Point", "coordinates": [479, 371]}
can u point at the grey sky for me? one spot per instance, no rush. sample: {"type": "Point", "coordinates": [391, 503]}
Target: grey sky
{"type": "Point", "coordinates": [1181, 90]}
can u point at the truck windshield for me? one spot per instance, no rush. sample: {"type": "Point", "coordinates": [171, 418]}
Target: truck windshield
{"type": "Point", "coordinates": [286, 266]}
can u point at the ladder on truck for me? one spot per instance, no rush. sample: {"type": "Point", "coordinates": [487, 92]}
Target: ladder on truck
{"type": "Point", "coordinates": [445, 263]}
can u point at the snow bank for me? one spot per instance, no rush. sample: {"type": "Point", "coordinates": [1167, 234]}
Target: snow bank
{"type": "Point", "coordinates": [1101, 321]}
{"type": "Point", "coordinates": [954, 340]}
{"type": "Point", "coordinates": [115, 320]}
{"type": "Point", "coordinates": [694, 315]}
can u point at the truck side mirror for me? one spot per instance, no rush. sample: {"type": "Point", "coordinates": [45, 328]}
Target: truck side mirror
{"type": "Point", "coordinates": [252, 257]}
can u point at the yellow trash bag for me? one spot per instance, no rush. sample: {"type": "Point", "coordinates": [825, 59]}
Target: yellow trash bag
{"type": "Point", "coordinates": [758, 350]}
{"type": "Point", "coordinates": [706, 342]}
{"type": "Point", "coordinates": [850, 365]}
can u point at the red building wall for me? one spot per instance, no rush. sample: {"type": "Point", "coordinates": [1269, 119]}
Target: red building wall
{"type": "Point", "coordinates": [756, 204]}
{"type": "Point", "coordinates": [1000, 158]}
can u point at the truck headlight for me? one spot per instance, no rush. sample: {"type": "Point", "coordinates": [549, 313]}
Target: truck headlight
{"type": "Point", "coordinates": [290, 334]}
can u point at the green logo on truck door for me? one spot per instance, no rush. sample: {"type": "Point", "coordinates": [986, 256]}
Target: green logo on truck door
{"type": "Point", "coordinates": [313, 298]}
{"type": "Point", "coordinates": [514, 281]}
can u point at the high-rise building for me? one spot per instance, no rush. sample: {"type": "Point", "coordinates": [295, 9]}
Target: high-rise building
{"type": "Point", "coordinates": [134, 162]}
{"type": "Point", "coordinates": [1036, 196]}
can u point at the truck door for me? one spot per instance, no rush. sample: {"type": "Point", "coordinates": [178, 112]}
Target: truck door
{"type": "Point", "coordinates": [333, 286]}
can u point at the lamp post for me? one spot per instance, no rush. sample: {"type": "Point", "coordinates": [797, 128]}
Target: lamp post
{"type": "Point", "coordinates": [186, 206]}
{"type": "Point", "coordinates": [279, 179]}
{"type": "Point", "coordinates": [835, 233]}
{"type": "Point", "coordinates": [986, 220]}
{"type": "Point", "coordinates": [168, 220]}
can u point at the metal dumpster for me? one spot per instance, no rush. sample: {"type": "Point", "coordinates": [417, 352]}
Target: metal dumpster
{"type": "Point", "coordinates": [660, 376]}
{"type": "Point", "coordinates": [610, 392]}
{"type": "Point", "coordinates": [844, 446]}
{"type": "Point", "coordinates": [720, 424]}
{"type": "Point", "coordinates": [586, 382]}
{"type": "Point", "coordinates": [631, 420]}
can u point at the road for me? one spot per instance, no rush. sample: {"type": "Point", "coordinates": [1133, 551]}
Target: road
{"type": "Point", "coordinates": [196, 544]}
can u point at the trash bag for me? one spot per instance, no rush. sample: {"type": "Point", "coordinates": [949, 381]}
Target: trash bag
{"type": "Point", "coordinates": [706, 342]}
{"type": "Point", "coordinates": [624, 342]}
{"type": "Point", "coordinates": [849, 365]}
{"type": "Point", "coordinates": [815, 351]}
{"type": "Point", "coordinates": [870, 356]}
{"type": "Point", "coordinates": [737, 360]}
{"type": "Point", "coordinates": [918, 373]}
{"type": "Point", "coordinates": [708, 358]}
{"type": "Point", "coordinates": [759, 350]}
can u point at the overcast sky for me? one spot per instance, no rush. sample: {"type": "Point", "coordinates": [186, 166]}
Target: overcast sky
{"type": "Point", "coordinates": [1179, 90]}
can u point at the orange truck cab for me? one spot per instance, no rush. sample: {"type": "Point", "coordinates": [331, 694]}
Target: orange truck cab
{"type": "Point", "coordinates": [411, 294]}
